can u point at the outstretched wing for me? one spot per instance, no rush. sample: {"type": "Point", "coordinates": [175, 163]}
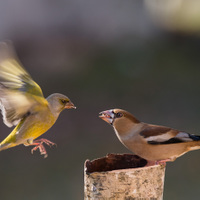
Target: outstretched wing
{"type": "Point", "coordinates": [18, 92]}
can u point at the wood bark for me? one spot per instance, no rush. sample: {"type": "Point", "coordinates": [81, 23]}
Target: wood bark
{"type": "Point", "coordinates": [123, 177]}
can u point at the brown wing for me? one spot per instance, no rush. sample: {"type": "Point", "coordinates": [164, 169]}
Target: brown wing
{"type": "Point", "coordinates": [154, 130]}
{"type": "Point", "coordinates": [154, 134]}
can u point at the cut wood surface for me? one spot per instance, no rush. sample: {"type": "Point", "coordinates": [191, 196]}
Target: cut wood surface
{"type": "Point", "coordinates": [123, 176]}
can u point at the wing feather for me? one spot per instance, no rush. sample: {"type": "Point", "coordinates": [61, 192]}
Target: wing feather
{"type": "Point", "coordinates": [18, 92]}
{"type": "Point", "coordinates": [154, 134]}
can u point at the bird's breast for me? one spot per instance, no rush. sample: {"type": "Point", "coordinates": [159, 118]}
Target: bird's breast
{"type": "Point", "coordinates": [35, 125]}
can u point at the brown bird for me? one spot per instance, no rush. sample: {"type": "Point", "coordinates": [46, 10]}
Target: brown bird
{"type": "Point", "coordinates": [157, 144]}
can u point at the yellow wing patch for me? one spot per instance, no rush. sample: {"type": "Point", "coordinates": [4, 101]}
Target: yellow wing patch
{"type": "Point", "coordinates": [18, 91]}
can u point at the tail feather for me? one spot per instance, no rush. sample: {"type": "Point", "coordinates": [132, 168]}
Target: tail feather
{"type": "Point", "coordinates": [6, 146]}
{"type": "Point", "coordinates": [194, 137]}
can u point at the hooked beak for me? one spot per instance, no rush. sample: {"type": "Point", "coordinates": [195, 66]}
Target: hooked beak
{"type": "Point", "coordinates": [107, 116]}
{"type": "Point", "coordinates": [70, 105]}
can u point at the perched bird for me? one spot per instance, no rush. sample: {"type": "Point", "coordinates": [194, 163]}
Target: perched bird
{"type": "Point", "coordinates": [23, 105]}
{"type": "Point", "coordinates": [157, 144]}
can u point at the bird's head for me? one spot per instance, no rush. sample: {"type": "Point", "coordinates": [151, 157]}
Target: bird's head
{"type": "Point", "coordinates": [118, 118]}
{"type": "Point", "coordinates": [59, 102]}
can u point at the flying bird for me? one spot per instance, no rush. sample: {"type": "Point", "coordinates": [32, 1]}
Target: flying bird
{"type": "Point", "coordinates": [23, 105]}
{"type": "Point", "coordinates": [157, 144]}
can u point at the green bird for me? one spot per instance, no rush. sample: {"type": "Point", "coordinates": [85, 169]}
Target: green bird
{"type": "Point", "coordinates": [23, 105]}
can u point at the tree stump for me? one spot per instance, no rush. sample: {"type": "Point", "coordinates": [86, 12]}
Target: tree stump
{"type": "Point", "coordinates": [123, 176]}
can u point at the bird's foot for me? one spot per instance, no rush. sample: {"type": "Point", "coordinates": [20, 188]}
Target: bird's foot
{"type": "Point", "coordinates": [39, 145]}
{"type": "Point", "coordinates": [162, 162]}
{"type": "Point", "coordinates": [150, 163]}
{"type": "Point", "coordinates": [159, 162]}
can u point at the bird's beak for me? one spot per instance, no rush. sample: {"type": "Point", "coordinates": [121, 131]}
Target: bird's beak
{"type": "Point", "coordinates": [70, 105]}
{"type": "Point", "coordinates": [107, 116]}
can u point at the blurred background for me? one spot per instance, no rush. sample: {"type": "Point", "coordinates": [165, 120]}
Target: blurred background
{"type": "Point", "coordinates": [142, 56]}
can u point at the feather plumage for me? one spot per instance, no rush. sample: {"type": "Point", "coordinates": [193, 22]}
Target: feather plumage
{"type": "Point", "coordinates": [152, 142]}
{"type": "Point", "coordinates": [18, 91]}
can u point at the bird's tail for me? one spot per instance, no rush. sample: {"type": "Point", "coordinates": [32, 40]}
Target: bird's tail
{"type": "Point", "coordinates": [4, 146]}
{"type": "Point", "coordinates": [194, 137]}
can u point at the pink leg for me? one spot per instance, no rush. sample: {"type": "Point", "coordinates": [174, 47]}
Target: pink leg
{"type": "Point", "coordinates": [158, 162]}
{"type": "Point", "coordinates": [150, 163]}
{"type": "Point", "coordinates": [163, 162]}
{"type": "Point", "coordinates": [39, 145]}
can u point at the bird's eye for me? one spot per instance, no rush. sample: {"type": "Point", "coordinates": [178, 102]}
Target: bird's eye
{"type": "Point", "coordinates": [63, 101]}
{"type": "Point", "coordinates": [118, 115]}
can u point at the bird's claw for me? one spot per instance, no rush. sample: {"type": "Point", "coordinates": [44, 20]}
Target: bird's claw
{"type": "Point", "coordinates": [41, 149]}
{"type": "Point", "coordinates": [158, 162]}
{"type": "Point", "coordinates": [162, 163]}
{"type": "Point", "coordinates": [39, 145]}
{"type": "Point", "coordinates": [47, 142]}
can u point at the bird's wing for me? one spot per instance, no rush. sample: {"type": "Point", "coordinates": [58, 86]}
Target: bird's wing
{"type": "Point", "coordinates": [18, 92]}
{"type": "Point", "coordinates": [163, 135]}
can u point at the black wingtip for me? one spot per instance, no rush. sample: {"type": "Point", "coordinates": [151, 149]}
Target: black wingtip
{"type": "Point", "coordinates": [194, 137]}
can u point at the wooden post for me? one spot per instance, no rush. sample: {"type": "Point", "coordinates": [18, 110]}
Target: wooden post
{"type": "Point", "coordinates": [121, 177]}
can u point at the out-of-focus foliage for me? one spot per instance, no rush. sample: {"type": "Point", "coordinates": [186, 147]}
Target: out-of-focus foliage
{"type": "Point", "coordinates": [102, 54]}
